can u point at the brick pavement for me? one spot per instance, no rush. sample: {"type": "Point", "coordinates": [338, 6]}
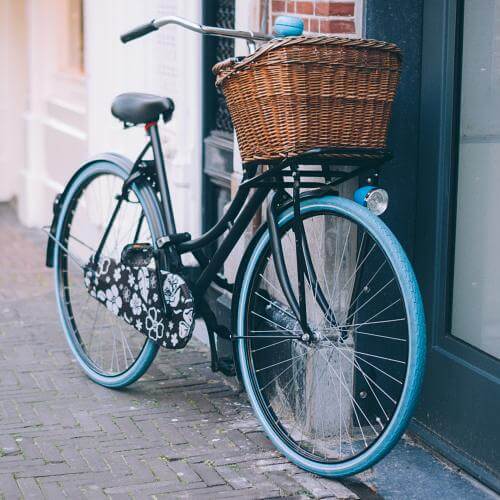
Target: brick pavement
{"type": "Point", "coordinates": [179, 432]}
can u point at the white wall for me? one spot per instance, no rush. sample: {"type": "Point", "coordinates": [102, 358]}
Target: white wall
{"type": "Point", "coordinates": [12, 95]}
{"type": "Point", "coordinates": [165, 63]}
{"type": "Point", "coordinates": [55, 137]}
{"type": "Point", "coordinates": [63, 117]}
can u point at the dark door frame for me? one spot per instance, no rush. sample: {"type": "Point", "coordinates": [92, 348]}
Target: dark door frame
{"type": "Point", "coordinates": [217, 156]}
{"type": "Point", "coordinates": [461, 397]}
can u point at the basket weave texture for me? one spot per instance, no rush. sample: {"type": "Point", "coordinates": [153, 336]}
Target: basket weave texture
{"type": "Point", "coordinates": [299, 93]}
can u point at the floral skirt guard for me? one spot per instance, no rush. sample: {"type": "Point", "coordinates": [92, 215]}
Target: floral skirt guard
{"type": "Point", "coordinates": [133, 293]}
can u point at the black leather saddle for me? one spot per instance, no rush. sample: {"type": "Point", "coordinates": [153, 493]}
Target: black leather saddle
{"type": "Point", "coordinates": [135, 108]}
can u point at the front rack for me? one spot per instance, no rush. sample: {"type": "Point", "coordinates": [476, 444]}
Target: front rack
{"type": "Point", "coordinates": [330, 155]}
{"type": "Point", "coordinates": [279, 170]}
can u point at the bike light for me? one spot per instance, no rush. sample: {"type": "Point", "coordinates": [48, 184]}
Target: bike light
{"type": "Point", "coordinates": [375, 199]}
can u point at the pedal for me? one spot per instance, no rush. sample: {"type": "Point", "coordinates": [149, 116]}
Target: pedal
{"type": "Point", "coordinates": [137, 255]}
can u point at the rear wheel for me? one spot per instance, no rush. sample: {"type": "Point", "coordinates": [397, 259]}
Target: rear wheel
{"type": "Point", "coordinates": [111, 352]}
{"type": "Point", "coordinates": [337, 402]}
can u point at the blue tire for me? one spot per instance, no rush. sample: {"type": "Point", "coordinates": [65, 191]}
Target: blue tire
{"type": "Point", "coordinates": [120, 167]}
{"type": "Point", "coordinates": [403, 271]}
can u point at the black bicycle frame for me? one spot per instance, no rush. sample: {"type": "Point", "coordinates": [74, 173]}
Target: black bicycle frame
{"type": "Point", "coordinates": [258, 181]}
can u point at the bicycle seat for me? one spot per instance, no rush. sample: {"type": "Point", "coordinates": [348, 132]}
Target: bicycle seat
{"type": "Point", "coordinates": [135, 108]}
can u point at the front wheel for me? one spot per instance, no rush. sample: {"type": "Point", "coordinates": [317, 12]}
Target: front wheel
{"type": "Point", "coordinates": [337, 401]}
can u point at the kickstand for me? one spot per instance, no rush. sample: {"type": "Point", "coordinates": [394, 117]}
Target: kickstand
{"type": "Point", "coordinates": [227, 367]}
{"type": "Point", "coordinates": [217, 364]}
{"type": "Point", "coordinates": [214, 356]}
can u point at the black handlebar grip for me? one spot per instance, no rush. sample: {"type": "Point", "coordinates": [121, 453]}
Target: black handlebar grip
{"type": "Point", "coordinates": [139, 31]}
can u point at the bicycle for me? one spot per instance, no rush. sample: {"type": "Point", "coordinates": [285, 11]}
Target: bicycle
{"type": "Point", "coordinates": [327, 321]}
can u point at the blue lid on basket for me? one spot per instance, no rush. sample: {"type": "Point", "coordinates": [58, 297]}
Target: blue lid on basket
{"type": "Point", "coordinates": [288, 26]}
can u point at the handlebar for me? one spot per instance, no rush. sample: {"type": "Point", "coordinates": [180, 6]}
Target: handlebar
{"type": "Point", "coordinates": [156, 24]}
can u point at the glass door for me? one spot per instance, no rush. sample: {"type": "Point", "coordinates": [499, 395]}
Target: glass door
{"type": "Point", "coordinates": [476, 286]}
{"type": "Point", "coordinates": [457, 251]}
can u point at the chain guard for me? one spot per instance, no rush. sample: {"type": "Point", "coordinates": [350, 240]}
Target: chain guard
{"type": "Point", "coordinates": [133, 293]}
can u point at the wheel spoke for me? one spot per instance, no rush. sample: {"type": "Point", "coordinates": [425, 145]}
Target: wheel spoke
{"type": "Point", "coordinates": [272, 322]}
{"type": "Point", "coordinates": [280, 362]}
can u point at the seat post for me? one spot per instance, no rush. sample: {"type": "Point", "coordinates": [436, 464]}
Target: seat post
{"type": "Point", "coordinates": [161, 175]}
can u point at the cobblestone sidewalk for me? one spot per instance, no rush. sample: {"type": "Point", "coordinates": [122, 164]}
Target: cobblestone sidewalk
{"type": "Point", "coordinates": [179, 432]}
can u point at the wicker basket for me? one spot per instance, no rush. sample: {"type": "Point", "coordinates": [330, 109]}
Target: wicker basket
{"type": "Point", "coordinates": [298, 93]}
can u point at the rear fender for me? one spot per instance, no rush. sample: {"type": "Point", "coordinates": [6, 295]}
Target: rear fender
{"type": "Point", "coordinates": [115, 158]}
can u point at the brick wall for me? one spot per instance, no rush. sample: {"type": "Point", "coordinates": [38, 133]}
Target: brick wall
{"type": "Point", "coordinates": [339, 17]}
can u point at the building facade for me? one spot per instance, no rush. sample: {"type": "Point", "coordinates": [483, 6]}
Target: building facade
{"type": "Point", "coordinates": [65, 64]}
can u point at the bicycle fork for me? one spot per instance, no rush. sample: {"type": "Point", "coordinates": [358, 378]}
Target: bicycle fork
{"type": "Point", "coordinates": [305, 268]}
